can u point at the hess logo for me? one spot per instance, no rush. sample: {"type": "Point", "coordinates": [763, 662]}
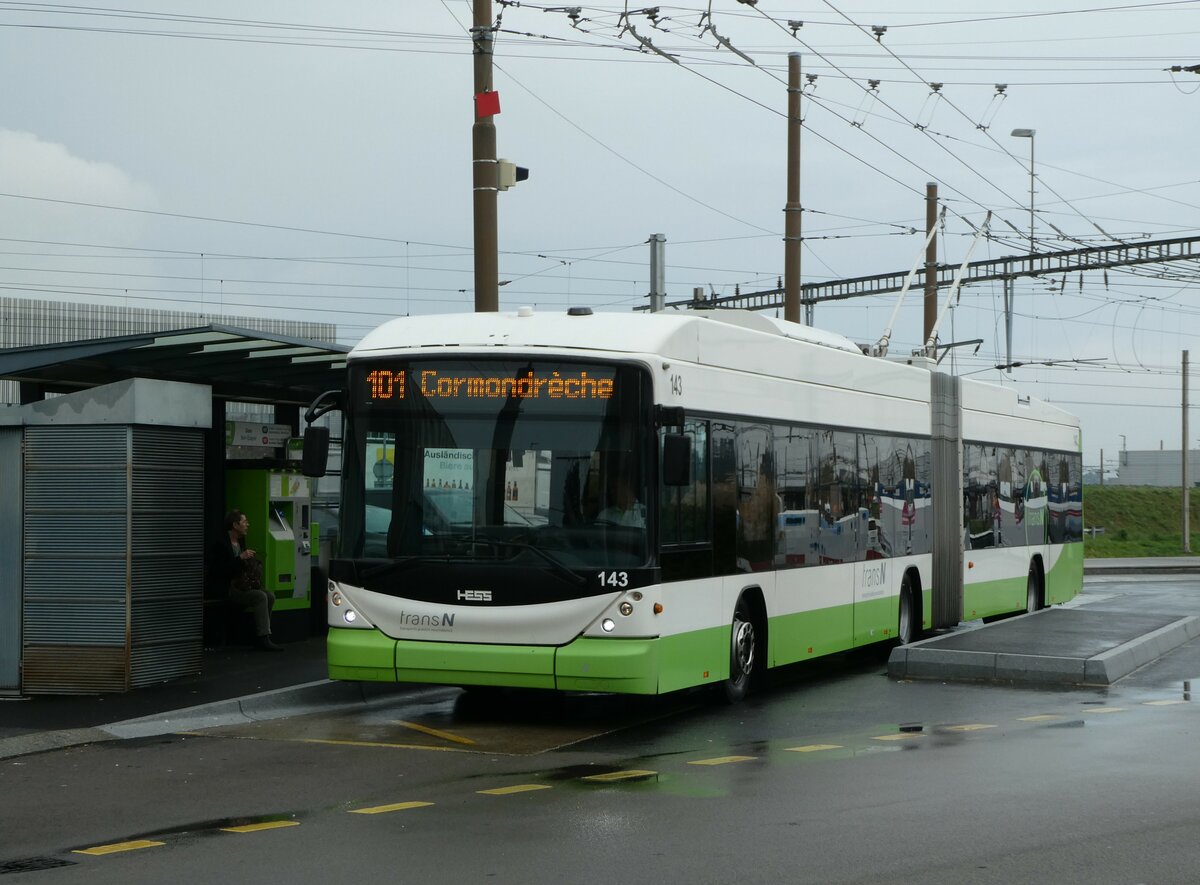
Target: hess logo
{"type": "Point", "coordinates": [474, 595]}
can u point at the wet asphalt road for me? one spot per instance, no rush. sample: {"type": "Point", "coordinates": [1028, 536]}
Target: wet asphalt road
{"type": "Point", "coordinates": [834, 774]}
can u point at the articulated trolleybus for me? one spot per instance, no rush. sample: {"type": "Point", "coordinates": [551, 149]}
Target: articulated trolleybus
{"type": "Point", "coordinates": [649, 502]}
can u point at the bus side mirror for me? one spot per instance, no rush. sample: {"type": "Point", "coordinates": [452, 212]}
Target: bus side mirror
{"type": "Point", "coordinates": [316, 451]}
{"type": "Point", "coordinates": [677, 460]}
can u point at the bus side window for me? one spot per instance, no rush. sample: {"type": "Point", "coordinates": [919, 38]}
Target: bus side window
{"type": "Point", "coordinates": [684, 508]}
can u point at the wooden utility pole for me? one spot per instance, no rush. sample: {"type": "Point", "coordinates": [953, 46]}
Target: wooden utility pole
{"type": "Point", "coordinates": [791, 217]}
{"type": "Point", "coordinates": [931, 288]}
{"type": "Point", "coordinates": [484, 168]}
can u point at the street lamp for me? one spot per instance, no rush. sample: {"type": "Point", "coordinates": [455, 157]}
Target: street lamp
{"type": "Point", "coordinates": [1028, 133]}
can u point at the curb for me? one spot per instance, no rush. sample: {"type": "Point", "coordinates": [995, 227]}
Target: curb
{"type": "Point", "coordinates": [1107, 668]}
{"type": "Point", "coordinates": [1091, 571]}
{"type": "Point", "coordinates": [279, 703]}
{"type": "Point", "coordinates": [919, 661]}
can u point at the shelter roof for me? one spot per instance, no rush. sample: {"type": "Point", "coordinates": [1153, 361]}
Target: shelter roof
{"type": "Point", "coordinates": [239, 364]}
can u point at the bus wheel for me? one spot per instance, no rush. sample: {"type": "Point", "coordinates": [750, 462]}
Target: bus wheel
{"type": "Point", "coordinates": [910, 619]}
{"type": "Point", "coordinates": [743, 647]}
{"type": "Point", "coordinates": [1033, 590]}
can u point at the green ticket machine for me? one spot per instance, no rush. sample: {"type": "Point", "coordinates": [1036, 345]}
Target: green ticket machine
{"type": "Point", "coordinates": [278, 503]}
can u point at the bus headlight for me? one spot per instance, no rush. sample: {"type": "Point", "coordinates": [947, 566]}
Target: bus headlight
{"type": "Point", "coordinates": [342, 609]}
{"type": "Point", "coordinates": [608, 625]}
{"type": "Point", "coordinates": [625, 608]}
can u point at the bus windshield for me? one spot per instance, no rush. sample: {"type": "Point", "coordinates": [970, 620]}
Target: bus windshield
{"type": "Point", "coordinates": [499, 460]}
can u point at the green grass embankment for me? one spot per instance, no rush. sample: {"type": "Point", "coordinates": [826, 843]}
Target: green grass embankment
{"type": "Point", "coordinates": [1138, 521]}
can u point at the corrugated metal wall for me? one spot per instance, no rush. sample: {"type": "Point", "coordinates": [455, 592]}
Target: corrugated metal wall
{"type": "Point", "coordinates": [945, 404]}
{"type": "Point", "coordinates": [167, 556]}
{"type": "Point", "coordinates": [76, 609]}
{"type": "Point", "coordinates": [113, 547]}
{"type": "Point", "coordinates": [10, 559]}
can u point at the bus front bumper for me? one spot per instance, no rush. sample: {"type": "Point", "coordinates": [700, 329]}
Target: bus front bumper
{"type": "Point", "coordinates": [625, 666]}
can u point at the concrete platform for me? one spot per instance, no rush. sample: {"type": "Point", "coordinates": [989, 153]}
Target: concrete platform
{"type": "Point", "coordinates": [1059, 646]}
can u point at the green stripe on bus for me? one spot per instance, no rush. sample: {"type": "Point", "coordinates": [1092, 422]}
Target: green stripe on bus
{"type": "Point", "coordinates": [1065, 578]}
{"type": "Point", "coordinates": [452, 663]}
{"type": "Point", "coordinates": [993, 597]}
{"type": "Point", "coordinates": [800, 637]}
{"type": "Point", "coordinates": [360, 655]}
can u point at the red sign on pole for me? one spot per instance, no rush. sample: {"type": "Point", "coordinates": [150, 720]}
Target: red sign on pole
{"type": "Point", "coordinates": [487, 104]}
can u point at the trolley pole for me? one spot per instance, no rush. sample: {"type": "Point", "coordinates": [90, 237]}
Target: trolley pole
{"type": "Point", "coordinates": [792, 211]}
{"type": "Point", "coordinates": [485, 178]}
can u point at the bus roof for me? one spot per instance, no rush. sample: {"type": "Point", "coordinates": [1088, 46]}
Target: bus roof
{"type": "Point", "coordinates": [676, 335]}
{"type": "Point", "coordinates": [657, 333]}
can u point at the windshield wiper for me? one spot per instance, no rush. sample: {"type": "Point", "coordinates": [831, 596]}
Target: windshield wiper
{"type": "Point", "coordinates": [557, 565]}
{"type": "Point", "coordinates": [398, 565]}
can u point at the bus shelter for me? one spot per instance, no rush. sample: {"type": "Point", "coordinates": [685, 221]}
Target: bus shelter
{"type": "Point", "coordinates": [119, 481]}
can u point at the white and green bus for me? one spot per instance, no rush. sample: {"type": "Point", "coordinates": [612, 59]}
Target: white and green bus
{"type": "Point", "coordinates": [645, 503]}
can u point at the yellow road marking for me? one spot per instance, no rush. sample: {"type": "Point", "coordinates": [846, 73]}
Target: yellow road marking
{"type": "Point", "coordinates": [117, 846]}
{"type": "Point", "coordinates": [444, 735]}
{"type": "Point", "coordinates": [974, 726]}
{"type": "Point", "coordinates": [384, 809]}
{"type": "Point", "coordinates": [620, 775]}
{"type": "Point", "coordinates": [1042, 718]}
{"type": "Point", "coordinates": [1164, 703]}
{"type": "Point", "coordinates": [254, 828]}
{"type": "Point", "coordinates": [902, 736]}
{"type": "Point", "coordinates": [1108, 710]}
{"type": "Point", "coordinates": [815, 748]}
{"type": "Point", "coordinates": [380, 744]}
{"type": "Point", "coordinates": [520, 788]}
{"type": "Point", "coordinates": [722, 760]}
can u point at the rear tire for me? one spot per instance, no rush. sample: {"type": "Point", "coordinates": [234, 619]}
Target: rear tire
{"type": "Point", "coordinates": [743, 654]}
{"type": "Point", "coordinates": [909, 629]}
{"type": "Point", "coordinates": [1033, 590]}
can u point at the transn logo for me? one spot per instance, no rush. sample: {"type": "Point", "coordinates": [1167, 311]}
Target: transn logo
{"type": "Point", "coordinates": [475, 595]}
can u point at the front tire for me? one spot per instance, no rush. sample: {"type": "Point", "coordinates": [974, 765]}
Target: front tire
{"type": "Point", "coordinates": [743, 654]}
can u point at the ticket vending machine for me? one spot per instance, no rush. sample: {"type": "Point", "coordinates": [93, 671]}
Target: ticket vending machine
{"type": "Point", "coordinates": [278, 503]}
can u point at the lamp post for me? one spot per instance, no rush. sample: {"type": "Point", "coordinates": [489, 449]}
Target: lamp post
{"type": "Point", "coordinates": [1028, 133]}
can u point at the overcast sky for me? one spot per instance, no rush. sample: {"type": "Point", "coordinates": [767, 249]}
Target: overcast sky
{"type": "Point", "coordinates": [312, 160]}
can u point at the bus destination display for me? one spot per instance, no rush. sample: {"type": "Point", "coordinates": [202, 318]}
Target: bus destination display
{"type": "Point", "coordinates": [385, 384]}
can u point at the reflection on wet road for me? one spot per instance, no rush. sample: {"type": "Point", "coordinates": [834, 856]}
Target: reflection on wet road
{"type": "Point", "coordinates": [514, 723]}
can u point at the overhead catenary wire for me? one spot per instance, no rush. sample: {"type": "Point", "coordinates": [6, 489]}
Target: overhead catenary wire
{"type": "Point", "coordinates": [987, 134]}
{"type": "Point", "coordinates": [694, 61]}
